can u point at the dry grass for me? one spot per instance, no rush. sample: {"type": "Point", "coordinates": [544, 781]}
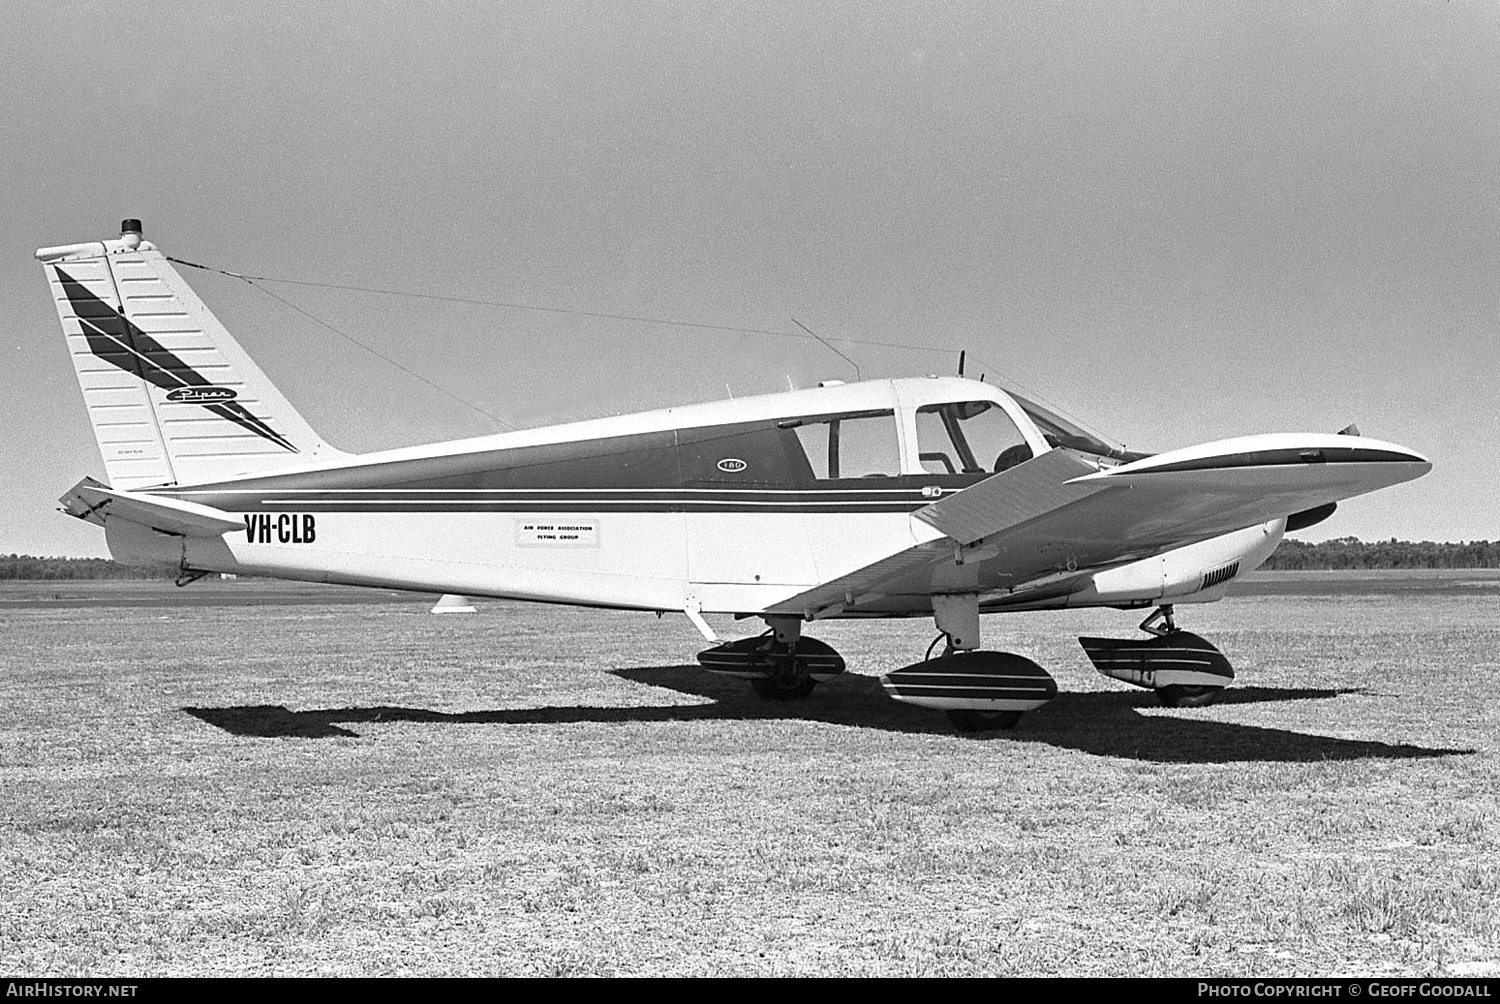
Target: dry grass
{"type": "Point", "coordinates": [367, 789]}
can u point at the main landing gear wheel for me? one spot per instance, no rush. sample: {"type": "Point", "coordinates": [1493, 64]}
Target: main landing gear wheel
{"type": "Point", "coordinates": [786, 676]}
{"type": "Point", "coordinates": [1183, 696]}
{"type": "Point", "coordinates": [777, 671]}
{"type": "Point", "coordinates": [967, 720]}
{"type": "Point", "coordinates": [784, 687]}
{"type": "Point", "coordinates": [978, 691]}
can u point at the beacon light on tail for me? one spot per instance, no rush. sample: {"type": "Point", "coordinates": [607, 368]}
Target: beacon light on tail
{"type": "Point", "coordinates": [946, 498]}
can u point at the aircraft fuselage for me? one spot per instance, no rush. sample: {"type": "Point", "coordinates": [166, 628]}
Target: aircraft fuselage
{"type": "Point", "coordinates": [722, 507]}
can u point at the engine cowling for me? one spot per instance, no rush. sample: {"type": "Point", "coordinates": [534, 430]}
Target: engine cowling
{"type": "Point", "coordinates": [1198, 573]}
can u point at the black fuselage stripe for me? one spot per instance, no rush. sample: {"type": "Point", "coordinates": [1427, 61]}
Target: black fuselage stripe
{"type": "Point", "coordinates": [501, 494]}
{"type": "Point", "coordinates": [570, 507]}
{"type": "Point", "coordinates": [1287, 458]}
{"type": "Point", "coordinates": [542, 500]}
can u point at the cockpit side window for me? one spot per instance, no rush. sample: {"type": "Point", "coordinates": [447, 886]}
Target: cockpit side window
{"type": "Point", "coordinates": [857, 445]}
{"type": "Point", "coordinates": [969, 437]}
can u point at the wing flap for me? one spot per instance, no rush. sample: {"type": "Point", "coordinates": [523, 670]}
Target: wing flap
{"type": "Point", "coordinates": [1039, 486]}
{"type": "Point", "coordinates": [861, 586]}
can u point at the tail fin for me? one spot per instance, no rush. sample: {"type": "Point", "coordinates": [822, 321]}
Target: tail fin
{"type": "Point", "coordinates": [172, 397]}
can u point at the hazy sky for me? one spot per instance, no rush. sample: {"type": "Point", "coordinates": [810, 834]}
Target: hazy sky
{"type": "Point", "coordinates": [1180, 222]}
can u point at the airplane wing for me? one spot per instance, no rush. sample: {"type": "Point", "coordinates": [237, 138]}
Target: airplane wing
{"type": "Point", "coordinates": [1049, 523]}
{"type": "Point", "coordinates": [92, 501]}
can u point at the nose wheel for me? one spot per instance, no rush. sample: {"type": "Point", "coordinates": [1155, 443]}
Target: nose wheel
{"type": "Point", "coordinates": [1183, 669]}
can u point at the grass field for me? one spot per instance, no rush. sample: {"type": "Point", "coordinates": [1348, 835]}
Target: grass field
{"type": "Point", "coordinates": [295, 781]}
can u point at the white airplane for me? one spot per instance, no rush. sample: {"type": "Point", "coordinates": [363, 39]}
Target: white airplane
{"type": "Point", "coordinates": [940, 497]}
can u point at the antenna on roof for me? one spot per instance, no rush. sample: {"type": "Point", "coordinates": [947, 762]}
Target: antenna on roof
{"type": "Point", "coordinates": [830, 347]}
{"type": "Point", "coordinates": [961, 354]}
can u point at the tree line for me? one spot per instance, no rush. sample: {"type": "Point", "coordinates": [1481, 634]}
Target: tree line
{"type": "Point", "coordinates": [1353, 553]}
{"type": "Point", "coordinates": [1291, 555]}
{"type": "Point", "coordinates": [26, 566]}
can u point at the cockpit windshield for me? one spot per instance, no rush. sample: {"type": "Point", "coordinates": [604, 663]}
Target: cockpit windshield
{"type": "Point", "coordinates": [1059, 431]}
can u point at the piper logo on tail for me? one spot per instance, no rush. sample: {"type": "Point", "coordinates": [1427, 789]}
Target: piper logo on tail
{"type": "Point", "coordinates": [201, 395]}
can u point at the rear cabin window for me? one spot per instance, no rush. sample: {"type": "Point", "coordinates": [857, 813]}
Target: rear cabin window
{"type": "Point", "coordinates": [859, 445]}
{"type": "Point", "coordinates": [969, 437]}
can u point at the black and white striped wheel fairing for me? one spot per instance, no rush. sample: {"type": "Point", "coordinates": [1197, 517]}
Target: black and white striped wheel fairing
{"type": "Point", "coordinates": [1178, 659]}
{"type": "Point", "coordinates": [973, 681]}
{"type": "Point", "coordinates": [754, 658]}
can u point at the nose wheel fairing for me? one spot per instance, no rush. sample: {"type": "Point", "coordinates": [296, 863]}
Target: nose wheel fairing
{"type": "Point", "coordinates": [1184, 669]}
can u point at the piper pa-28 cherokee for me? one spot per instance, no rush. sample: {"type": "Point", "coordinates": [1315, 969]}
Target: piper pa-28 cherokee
{"type": "Point", "coordinates": [933, 497]}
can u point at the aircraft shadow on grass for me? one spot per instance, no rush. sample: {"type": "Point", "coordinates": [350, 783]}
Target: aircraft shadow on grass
{"type": "Point", "coordinates": [1101, 723]}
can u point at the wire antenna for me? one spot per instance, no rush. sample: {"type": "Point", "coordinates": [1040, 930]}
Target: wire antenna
{"type": "Point", "coordinates": [251, 280]}
{"type": "Point", "coordinates": [829, 345]}
{"type": "Point", "coordinates": [542, 308]}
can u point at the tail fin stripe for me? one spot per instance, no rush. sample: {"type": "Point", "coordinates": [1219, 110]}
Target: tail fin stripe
{"type": "Point", "coordinates": [240, 416]}
{"type": "Point", "coordinates": [166, 370]}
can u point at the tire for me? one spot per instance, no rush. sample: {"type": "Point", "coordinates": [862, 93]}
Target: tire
{"type": "Point", "coordinates": [1181, 696]}
{"type": "Point", "coordinates": [772, 689]}
{"type": "Point", "coordinates": [983, 721]}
